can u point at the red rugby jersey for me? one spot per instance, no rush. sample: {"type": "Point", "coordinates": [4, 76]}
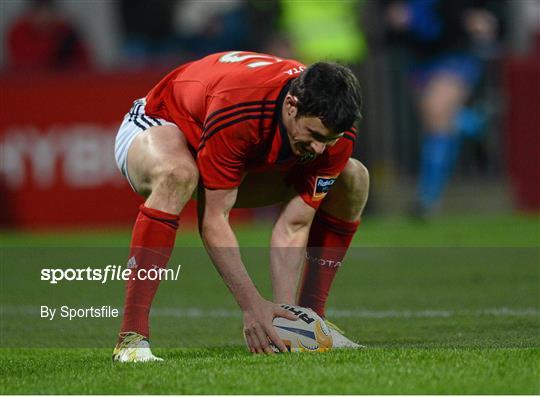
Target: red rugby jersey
{"type": "Point", "coordinates": [228, 105]}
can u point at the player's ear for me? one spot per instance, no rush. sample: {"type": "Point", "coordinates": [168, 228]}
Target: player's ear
{"type": "Point", "coordinates": [291, 105]}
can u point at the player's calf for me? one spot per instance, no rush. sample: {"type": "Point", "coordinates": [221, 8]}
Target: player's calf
{"type": "Point", "coordinates": [331, 233]}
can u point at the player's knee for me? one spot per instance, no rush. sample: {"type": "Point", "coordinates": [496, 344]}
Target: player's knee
{"type": "Point", "coordinates": [179, 178]}
{"type": "Point", "coordinates": [356, 178]}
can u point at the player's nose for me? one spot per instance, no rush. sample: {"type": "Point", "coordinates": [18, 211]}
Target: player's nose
{"type": "Point", "coordinates": [318, 147]}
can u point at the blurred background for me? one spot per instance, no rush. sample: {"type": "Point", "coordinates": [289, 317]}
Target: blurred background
{"type": "Point", "coordinates": [451, 90]}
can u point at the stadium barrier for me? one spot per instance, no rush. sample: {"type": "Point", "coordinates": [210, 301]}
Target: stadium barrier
{"type": "Point", "coordinates": [57, 136]}
{"type": "Point", "coordinates": [522, 85]}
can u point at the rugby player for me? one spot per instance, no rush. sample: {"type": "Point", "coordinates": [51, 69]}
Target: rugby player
{"type": "Point", "coordinates": [244, 129]}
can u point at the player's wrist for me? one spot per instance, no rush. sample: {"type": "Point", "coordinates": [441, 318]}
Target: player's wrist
{"type": "Point", "coordinates": [251, 302]}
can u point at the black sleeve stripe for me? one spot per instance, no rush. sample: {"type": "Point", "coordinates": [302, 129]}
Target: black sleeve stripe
{"type": "Point", "coordinates": [230, 123]}
{"type": "Point", "coordinates": [238, 105]}
{"type": "Point", "coordinates": [256, 109]}
{"type": "Point", "coordinates": [350, 138]}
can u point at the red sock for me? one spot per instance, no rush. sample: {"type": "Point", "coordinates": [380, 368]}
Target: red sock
{"type": "Point", "coordinates": [152, 242]}
{"type": "Point", "coordinates": [329, 239]}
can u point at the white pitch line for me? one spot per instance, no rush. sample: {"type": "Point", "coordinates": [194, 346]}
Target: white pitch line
{"type": "Point", "coordinates": [339, 313]}
{"type": "Point", "coordinates": [193, 312]}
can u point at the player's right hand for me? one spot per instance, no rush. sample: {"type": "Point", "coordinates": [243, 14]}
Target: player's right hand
{"type": "Point", "coordinates": [258, 328]}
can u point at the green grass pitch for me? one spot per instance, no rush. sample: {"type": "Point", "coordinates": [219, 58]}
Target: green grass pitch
{"type": "Point", "coordinates": [449, 307]}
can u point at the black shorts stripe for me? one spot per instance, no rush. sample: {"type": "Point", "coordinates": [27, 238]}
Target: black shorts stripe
{"type": "Point", "coordinates": [136, 122]}
{"type": "Point", "coordinates": [131, 112]}
{"type": "Point", "coordinates": [155, 120]}
{"type": "Point", "coordinates": [238, 105]}
{"type": "Point", "coordinates": [147, 120]}
{"type": "Point", "coordinates": [230, 123]}
{"type": "Point", "coordinates": [134, 111]}
{"type": "Point", "coordinates": [256, 109]}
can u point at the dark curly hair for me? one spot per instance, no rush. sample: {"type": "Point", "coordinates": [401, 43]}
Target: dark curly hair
{"type": "Point", "coordinates": [331, 92]}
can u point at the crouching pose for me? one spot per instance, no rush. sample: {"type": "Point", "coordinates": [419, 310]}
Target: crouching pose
{"type": "Point", "coordinates": [245, 130]}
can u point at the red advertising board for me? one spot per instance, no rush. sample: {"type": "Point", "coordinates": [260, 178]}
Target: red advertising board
{"type": "Point", "coordinates": [56, 145]}
{"type": "Point", "coordinates": [522, 83]}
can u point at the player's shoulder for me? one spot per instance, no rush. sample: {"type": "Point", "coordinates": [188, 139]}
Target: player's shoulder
{"type": "Point", "coordinates": [249, 82]}
{"type": "Point", "coordinates": [345, 145]}
{"type": "Point", "coordinates": [237, 70]}
{"type": "Point", "coordinates": [249, 60]}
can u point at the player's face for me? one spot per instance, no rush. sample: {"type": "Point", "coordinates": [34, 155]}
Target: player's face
{"type": "Point", "coordinates": [308, 136]}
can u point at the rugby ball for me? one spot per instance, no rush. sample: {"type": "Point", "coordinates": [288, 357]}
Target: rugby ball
{"type": "Point", "coordinates": [307, 334]}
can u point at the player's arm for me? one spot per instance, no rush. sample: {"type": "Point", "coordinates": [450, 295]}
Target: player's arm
{"type": "Point", "coordinates": [289, 239]}
{"type": "Point", "coordinates": [222, 246]}
{"type": "Point", "coordinates": [291, 231]}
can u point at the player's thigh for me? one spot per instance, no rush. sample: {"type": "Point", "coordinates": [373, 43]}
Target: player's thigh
{"type": "Point", "coordinates": [158, 151]}
{"type": "Point", "coordinates": [263, 189]}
